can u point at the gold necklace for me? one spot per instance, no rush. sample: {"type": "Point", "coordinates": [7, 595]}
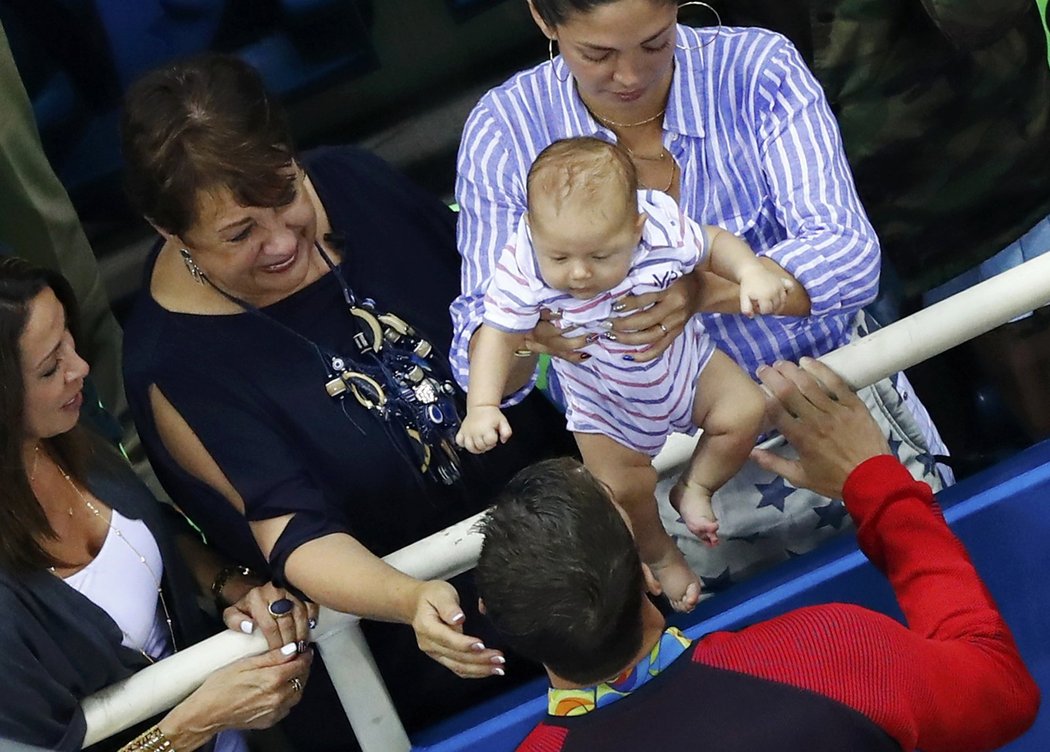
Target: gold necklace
{"type": "Point", "coordinates": [36, 461]}
{"type": "Point", "coordinates": [606, 121]}
{"type": "Point", "coordinates": [670, 180]}
{"type": "Point", "coordinates": [647, 158]}
{"type": "Point", "coordinates": [660, 158]}
{"type": "Point", "coordinates": [160, 591]}
{"type": "Point", "coordinates": [32, 474]}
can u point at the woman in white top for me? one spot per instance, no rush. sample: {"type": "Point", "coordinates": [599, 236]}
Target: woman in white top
{"type": "Point", "coordinates": [93, 585]}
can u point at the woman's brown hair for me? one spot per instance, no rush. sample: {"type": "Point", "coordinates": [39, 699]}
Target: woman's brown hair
{"type": "Point", "coordinates": [23, 525]}
{"type": "Point", "coordinates": [557, 12]}
{"type": "Point", "coordinates": [203, 124]}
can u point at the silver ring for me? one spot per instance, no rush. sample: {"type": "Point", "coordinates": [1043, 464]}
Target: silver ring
{"type": "Point", "coordinates": [662, 328]}
{"type": "Point", "coordinates": [296, 684]}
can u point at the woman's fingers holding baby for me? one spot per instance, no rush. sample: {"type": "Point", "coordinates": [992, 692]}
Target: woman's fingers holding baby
{"type": "Point", "coordinates": [549, 337]}
{"type": "Point", "coordinates": [657, 318]}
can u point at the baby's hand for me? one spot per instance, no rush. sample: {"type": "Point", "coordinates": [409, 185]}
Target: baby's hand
{"type": "Point", "coordinates": [762, 291]}
{"type": "Point", "coordinates": [483, 428]}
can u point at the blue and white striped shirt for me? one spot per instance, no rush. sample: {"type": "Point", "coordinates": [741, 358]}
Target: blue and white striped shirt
{"type": "Point", "coordinates": [760, 154]}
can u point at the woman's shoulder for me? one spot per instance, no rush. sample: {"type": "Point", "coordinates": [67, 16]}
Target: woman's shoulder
{"type": "Point", "coordinates": [534, 92]}
{"type": "Point", "coordinates": [737, 47]}
{"type": "Point", "coordinates": [748, 63]}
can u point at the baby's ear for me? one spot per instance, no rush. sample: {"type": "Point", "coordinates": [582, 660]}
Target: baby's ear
{"type": "Point", "coordinates": [481, 607]}
{"type": "Point", "coordinates": [639, 224]}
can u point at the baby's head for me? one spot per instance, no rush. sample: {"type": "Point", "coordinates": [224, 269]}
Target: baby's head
{"type": "Point", "coordinates": [583, 215]}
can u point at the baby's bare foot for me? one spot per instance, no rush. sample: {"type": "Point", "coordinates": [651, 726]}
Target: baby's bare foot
{"type": "Point", "coordinates": [677, 581]}
{"type": "Point", "coordinates": [693, 503]}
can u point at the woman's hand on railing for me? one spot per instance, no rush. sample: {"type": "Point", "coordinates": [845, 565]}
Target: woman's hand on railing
{"type": "Point", "coordinates": [281, 617]}
{"type": "Point", "coordinates": [252, 693]}
{"type": "Point", "coordinates": [438, 623]}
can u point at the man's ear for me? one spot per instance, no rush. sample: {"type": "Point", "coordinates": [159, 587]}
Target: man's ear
{"type": "Point", "coordinates": [651, 583]}
{"type": "Point", "coordinates": [481, 604]}
{"type": "Point", "coordinates": [548, 32]}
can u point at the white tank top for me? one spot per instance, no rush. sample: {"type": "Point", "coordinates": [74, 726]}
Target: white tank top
{"type": "Point", "coordinates": [117, 582]}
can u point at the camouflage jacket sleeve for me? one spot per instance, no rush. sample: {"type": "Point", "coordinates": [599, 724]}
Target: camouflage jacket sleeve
{"type": "Point", "coordinates": [972, 24]}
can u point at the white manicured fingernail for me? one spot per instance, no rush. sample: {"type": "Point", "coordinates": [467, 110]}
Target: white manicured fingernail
{"type": "Point", "coordinates": [479, 646]}
{"type": "Point", "coordinates": [498, 672]}
{"type": "Point", "coordinates": [247, 627]}
{"type": "Point", "coordinates": [290, 648]}
{"type": "Point", "coordinates": [498, 659]}
{"type": "Point", "coordinates": [458, 618]}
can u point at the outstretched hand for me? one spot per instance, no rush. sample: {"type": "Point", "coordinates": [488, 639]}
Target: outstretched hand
{"type": "Point", "coordinates": [826, 423]}
{"type": "Point", "coordinates": [438, 624]}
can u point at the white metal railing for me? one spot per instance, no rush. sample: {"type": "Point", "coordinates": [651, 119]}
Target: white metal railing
{"type": "Point", "coordinates": [455, 549]}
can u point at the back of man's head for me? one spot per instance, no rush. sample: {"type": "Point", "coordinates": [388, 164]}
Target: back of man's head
{"type": "Point", "coordinates": [559, 574]}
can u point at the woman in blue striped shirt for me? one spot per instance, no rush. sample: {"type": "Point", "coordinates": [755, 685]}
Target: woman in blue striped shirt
{"type": "Point", "coordinates": [731, 124]}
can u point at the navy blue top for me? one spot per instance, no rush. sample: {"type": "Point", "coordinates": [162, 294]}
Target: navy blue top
{"type": "Point", "coordinates": [254, 395]}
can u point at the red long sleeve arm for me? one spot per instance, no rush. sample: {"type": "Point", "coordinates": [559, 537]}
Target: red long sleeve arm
{"type": "Point", "coordinates": [952, 681]}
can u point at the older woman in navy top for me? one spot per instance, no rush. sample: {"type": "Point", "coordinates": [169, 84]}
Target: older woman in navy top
{"type": "Point", "coordinates": [732, 125]}
{"type": "Point", "coordinates": [286, 366]}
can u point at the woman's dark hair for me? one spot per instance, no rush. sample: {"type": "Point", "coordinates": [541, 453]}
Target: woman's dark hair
{"type": "Point", "coordinates": [559, 573]}
{"type": "Point", "coordinates": [203, 124]}
{"type": "Point", "coordinates": [555, 12]}
{"type": "Point", "coordinates": [23, 524]}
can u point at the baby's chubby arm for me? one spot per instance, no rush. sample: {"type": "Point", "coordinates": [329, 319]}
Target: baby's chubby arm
{"type": "Point", "coordinates": [491, 357]}
{"type": "Point", "coordinates": [761, 290]}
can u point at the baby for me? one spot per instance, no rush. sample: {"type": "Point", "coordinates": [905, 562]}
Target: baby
{"type": "Point", "coordinates": [590, 237]}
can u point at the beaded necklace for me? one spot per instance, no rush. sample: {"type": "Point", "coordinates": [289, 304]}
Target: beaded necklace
{"type": "Point", "coordinates": [396, 375]}
{"type": "Point", "coordinates": [142, 559]}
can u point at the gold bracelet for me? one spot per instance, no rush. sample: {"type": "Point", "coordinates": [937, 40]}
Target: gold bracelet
{"type": "Point", "coordinates": [150, 740]}
{"type": "Point", "coordinates": [223, 576]}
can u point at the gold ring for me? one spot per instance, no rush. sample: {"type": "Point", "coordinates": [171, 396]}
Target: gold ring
{"type": "Point", "coordinates": [523, 352]}
{"type": "Point", "coordinates": [296, 684]}
{"type": "Point", "coordinates": [663, 328]}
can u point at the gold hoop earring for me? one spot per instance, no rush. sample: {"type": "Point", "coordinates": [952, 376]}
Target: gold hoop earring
{"type": "Point", "coordinates": [550, 56]}
{"type": "Point", "coordinates": [718, 18]}
{"type": "Point", "coordinates": [191, 266]}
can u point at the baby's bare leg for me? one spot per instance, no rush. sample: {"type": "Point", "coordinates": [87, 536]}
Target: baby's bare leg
{"type": "Point", "coordinates": [729, 408]}
{"type": "Point", "coordinates": [632, 480]}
